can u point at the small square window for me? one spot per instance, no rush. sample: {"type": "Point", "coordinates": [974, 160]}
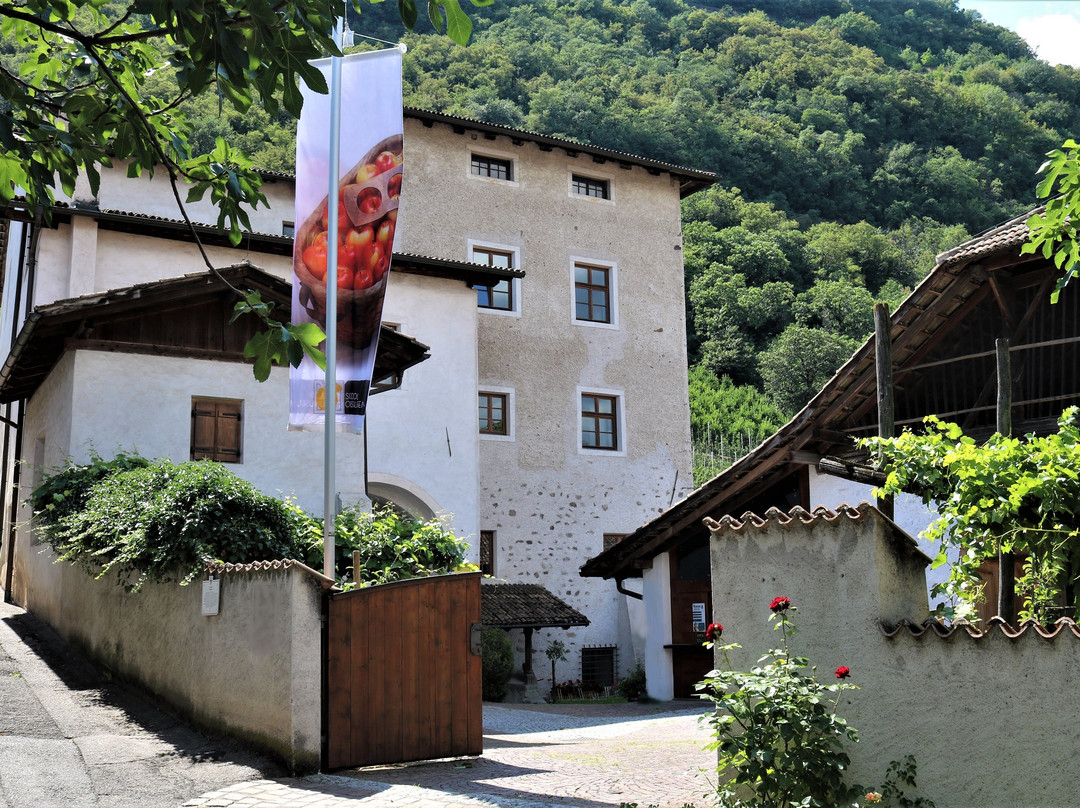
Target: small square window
{"type": "Point", "coordinates": [590, 186]}
{"type": "Point", "coordinates": [599, 422]}
{"type": "Point", "coordinates": [498, 295]}
{"type": "Point", "coordinates": [592, 293]}
{"type": "Point", "coordinates": [611, 539]}
{"type": "Point", "coordinates": [217, 430]}
{"type": "Point", "coordinates": [493, 414]}
{"type": "Point", "coordinates": [493, 167]}
{"type": "Point", "coordinates": [288, 229]}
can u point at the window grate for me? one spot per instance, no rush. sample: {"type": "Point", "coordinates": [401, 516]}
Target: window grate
{"type": "Point", "coordinates": [598, 665]}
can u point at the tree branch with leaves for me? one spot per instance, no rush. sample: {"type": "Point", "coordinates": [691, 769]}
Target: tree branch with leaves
{"type": "Point", "coordinates": [1054, 229]}
{"type": "Point", "coordinates": [76, 98]}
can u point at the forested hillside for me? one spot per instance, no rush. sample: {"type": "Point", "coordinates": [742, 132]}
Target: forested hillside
{"type": "Point", "coordinates": [853, 140]}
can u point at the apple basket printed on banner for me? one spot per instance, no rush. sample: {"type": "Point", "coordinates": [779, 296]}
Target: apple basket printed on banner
{"type": "Point", "coordinates": [368, 197]}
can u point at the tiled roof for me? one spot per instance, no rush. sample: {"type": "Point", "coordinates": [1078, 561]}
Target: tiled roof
{"type": "Point", "coordinates": [259, 567]}
{"type": "Point", "coordinates": [1010, 234]}
{"type": "Point", "coordinates": [993, 626]}
{"type": "Point", "coordinates": [690, 179]}
{"type": "Point", "coordinates": [796, 516]}
{"type": "Point", "coordinates": [525, 606]}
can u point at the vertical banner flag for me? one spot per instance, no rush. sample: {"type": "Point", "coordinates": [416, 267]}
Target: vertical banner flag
{"type": "Point", "coordinates": [366, 207]}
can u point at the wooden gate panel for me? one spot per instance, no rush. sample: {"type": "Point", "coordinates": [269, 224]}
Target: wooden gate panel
{"type": "Point", "coordinates": [402, 683]}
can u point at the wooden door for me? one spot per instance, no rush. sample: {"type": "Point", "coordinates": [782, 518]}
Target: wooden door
{"type": "Point", "coordinates": [691, 612]}
{"type": "Point", "coordinates": [403, 682]}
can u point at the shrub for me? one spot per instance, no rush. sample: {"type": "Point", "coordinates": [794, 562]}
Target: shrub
{"type": "Point", "coordinates": [393, 546]}
{"type": "Point", "coordinates": [779, 740]}
{"type": "Point", "coordinates": [497, 663]}
{"type": "Point", "coordinates": [633, 684]}
{"type": "Point", "coordinates": [158, 521]}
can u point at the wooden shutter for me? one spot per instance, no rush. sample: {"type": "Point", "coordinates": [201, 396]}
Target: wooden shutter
{"type": "Point", "coordinates": [216, 430]}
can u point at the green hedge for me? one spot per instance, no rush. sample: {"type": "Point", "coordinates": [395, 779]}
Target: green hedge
{"type": "Point", "coordinates": [159, 520]}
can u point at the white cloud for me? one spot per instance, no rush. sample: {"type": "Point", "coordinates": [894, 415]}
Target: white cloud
{"type": "Point", "coordinates": [1054, 37]}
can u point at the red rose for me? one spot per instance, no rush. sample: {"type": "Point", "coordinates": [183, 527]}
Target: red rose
{"type": "Point", "coordinates": [843, 672]}
{"type": "Point", "coordinates": [780, 605]}
{"type": "Point", "coordinates": [713, 632]}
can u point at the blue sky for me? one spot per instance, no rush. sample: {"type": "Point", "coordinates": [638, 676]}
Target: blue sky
{"type": "Point", "coordinates": [1051, 27]}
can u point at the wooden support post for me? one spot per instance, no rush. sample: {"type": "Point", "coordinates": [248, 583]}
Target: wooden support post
{"type": "Point", "coordinates": [883, 360]}
{"type": "Point", "coordinates": [527, 668]}
{"type": "Point", "coordinates": [1006, 568]}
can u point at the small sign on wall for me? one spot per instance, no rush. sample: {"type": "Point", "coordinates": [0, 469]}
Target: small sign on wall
{"type": "Point", "coordinates": [211, 597]}
{"type": "Point", "coordinates": [697, 611]}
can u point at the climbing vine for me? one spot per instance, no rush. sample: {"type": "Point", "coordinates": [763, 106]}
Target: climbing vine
{"type": "Point", "coordinates": [1016, 495]}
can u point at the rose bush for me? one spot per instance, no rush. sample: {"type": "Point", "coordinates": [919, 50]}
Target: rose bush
{"type": "Point", "coordinates": [776, 731]}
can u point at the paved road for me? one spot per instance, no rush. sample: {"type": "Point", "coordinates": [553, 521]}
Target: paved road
{"type": "Point", "coordinates": [70, 738]}
{"type": "Point", "coordinates": [566, 757]}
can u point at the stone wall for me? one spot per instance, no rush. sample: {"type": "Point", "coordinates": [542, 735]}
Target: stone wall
{"type": "Point", "coordinates": [252, 671]}
{"type": "Point", "coordinates": [988, 714]}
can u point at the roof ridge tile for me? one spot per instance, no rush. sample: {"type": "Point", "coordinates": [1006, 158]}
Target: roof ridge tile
{"type": "Point", "coordinates": [795, 515]}
{"type": "Point", "coordinates": [993, 625]}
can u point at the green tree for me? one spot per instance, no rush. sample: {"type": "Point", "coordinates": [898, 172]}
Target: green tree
{"type": "Point", "coordinates": [797, 365]}
{"type": "Point", "coordinates": [1054, 230]}
{"type": "Point", "coordinates": [837, 306]}
{"type": "Point", "coordinates": [158, 521]}
{"type": "Point", "coordinates": [393, 546]}
{"type": "Point", "coordinates": [726, 421]}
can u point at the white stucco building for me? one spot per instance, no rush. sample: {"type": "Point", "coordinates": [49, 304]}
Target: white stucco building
{"type": "Point", "coordinates": [543, 277]}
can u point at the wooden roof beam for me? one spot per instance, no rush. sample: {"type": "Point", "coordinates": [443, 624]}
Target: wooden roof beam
{"type": "Point", "coordinates": [1042, 297]}
{"type": "Point", "coordinates": [924, 348]}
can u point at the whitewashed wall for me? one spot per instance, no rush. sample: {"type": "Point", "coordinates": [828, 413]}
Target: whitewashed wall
{"type": "Point", "coordinates": [908, 512]}
{"type": "Point", "coordinates": [989, 718]}
{"type": "Point", "coordinates": [422, 437]}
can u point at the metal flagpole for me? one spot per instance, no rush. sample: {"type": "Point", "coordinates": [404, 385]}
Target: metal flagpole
{"type": "Point", "coordinates": [330, 390]}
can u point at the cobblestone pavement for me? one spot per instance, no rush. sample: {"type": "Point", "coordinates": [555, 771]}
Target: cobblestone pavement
{"type": "Point", "coordinates": [572, 756]}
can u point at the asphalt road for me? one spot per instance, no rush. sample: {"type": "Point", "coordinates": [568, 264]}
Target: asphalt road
{"type": "Point", "coordinates": [72, 738]}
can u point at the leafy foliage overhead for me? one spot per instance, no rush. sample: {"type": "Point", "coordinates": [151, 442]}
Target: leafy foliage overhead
{"type": "Point", "coordinates": [79, 90]}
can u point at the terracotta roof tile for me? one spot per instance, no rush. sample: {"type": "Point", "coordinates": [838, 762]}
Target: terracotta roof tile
{"type": "Point", "coordinates": [796, 516]}
{"type": "Point", "coordinates": [504, 605]}
{"type": "Point", "coordinates": [1012, 233]}
{"type": "Point", "coordinates": [973, 630]}
{"type": "Point", "coordinates": [260, 567]}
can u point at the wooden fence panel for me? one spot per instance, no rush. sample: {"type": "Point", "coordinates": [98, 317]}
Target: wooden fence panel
{"type": "Point", "coordinates": [402, 681]}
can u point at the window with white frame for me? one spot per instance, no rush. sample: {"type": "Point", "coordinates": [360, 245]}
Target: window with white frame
{"type": "Point", "coordinates": [496, 168]}
{"type": "Point", "coordinates": [500, 296]}
{"type": "Point", "coordinates": [593, 187]}
{"type": "Point", "coordinates": [495, 413]}
{"type": "Point", "coordinates": [594, 292]}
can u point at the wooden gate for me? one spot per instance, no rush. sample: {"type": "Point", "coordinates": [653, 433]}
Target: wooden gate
{"type": "Point", "coordinates": [403, 681]}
